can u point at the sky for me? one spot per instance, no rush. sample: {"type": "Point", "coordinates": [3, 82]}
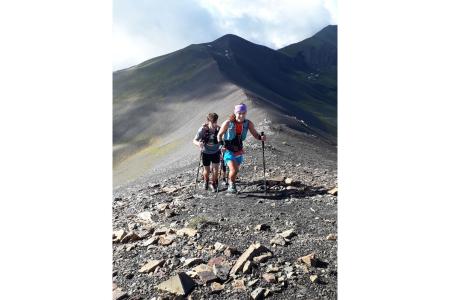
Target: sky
{"type": "Point", "coordinates": [148, 28]}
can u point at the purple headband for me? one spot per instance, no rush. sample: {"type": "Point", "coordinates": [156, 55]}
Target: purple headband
{"type": "Point", "coordinates": [240, 108]}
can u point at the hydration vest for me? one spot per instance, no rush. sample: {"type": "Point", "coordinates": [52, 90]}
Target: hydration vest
{"type": "Point", "coordinates": [207, 135]}
{"type": "Point", "coordinates": [233, 141]}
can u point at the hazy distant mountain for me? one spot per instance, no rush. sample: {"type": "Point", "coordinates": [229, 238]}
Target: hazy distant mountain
{"type": "Point", "coordinates": [159, 104]}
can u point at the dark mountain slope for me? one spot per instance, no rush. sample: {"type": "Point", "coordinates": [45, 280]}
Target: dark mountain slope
{"type": "Point", "coordinates": [318, 51]}
{"type": "Point", "coordinates": [275, 77]}
{"type": "Point", "coordinates": [141, 91]}
{"type": "Point", "coordinates": [159, 104]}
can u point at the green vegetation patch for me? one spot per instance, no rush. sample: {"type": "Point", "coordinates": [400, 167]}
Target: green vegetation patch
{"type": "Point", "coordinates": [200, 221]}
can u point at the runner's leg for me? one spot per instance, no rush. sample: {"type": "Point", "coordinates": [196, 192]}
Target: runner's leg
{"type": "Point", "coordinates": [234, 168]}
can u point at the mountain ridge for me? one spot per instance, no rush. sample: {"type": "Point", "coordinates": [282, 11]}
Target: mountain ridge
{"type": "Point", "coordinates": [148, 97]}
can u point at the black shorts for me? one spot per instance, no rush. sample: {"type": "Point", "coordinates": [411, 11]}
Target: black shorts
{"type": "Point", "coordinates": [208, 158]}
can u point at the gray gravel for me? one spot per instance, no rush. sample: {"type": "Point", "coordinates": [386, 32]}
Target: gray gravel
{"type": "Point", "coordinates": [304, 206]}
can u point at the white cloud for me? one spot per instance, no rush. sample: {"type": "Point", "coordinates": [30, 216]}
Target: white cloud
{"type": "Point", "coordinates": [273, 23]}
{"type": "Point", "coordinates": [331, 6]}
{"type": "Point", "coordinates": [129, 48]}
{"type": "Point", "coordinates": [148, 28]}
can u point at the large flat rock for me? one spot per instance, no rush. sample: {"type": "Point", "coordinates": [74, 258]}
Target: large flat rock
{"type": "Point", "coordinates": [151, 265]}
{"type": "Point", "coordinates": [180, 284]}
{"type": "Point", "coordinates": [252, 251]}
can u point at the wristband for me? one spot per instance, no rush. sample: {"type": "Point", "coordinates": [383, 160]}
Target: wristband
{"type": "Point", "coordinates": [221, 142]}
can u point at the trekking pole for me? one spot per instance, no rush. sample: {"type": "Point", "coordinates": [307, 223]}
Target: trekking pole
{"type": "Point", "coordinates": [198, 170]}
{"type": "Point", "coordinates": [264, 164]}
{"type": "Point", "coordinates": [218, 177]}
{"type": "Point", "coordinates": [225, 170]}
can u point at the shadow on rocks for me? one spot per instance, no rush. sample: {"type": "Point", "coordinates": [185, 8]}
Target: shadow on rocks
{"type": "Point", "coordinates": [300, 190]}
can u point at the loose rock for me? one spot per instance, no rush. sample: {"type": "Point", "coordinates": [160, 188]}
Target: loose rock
{"type": "Point", "coordinates": [272, 269]}
{"type": "Point", "coordinates": [258, 294]}
{"type": "Point", "coordinates": [162, 206]}
{"type": "Point", "coordinates": [130, 237]}
{"type": "Point", "coordinates": [276, 179]}
{"type": "Point", "coordinates": [288, 233]}
{"type": "Point", "coordinates": [269, 277]}
{"type": "Point", "coordinates": [262, 227]}
{"type": "Point", "coordinates": [247, 269]}
{"type": "Point", "coordinates": [169, 190]}
{"type": "Point", "coordinates": [222, 270]}
{"type": "Point", "coordinates": [119, 295]}
{"type": "Point", "coordinates": [333, 191]}
{"type": "Point", "coordinates": [238, 284]}
{"type": "Point", "coordinates": [252, 251]}
{"type": "Point", "coordinates": [230, 251]}
{"type": "Point", "coordinates": [310, 260]}
{"type": "Point", "coordinates": [192, 262]}
{"type": "Point", "coordinates": [314, 278]}
{"type": "Point", "coordinates": [263, 258]}
{"type": "Point", "coordinates": [216, 261]}
{"type": "Point", "coordinates": [160, 231]}
{"type": "Point", "coordinates": [252, 282]}
{"type": "Point", "coordinates": [290, 275]}
{"type": "Point", "coordinates": [202, 268]}
{"type": "Point", "coordinates": [118, 235]}
{"type": "Point", "coordinates": [151, 265]}
{"type": "Point", "coordinates": [166, 240]}
{"type": "Point", "coordinates": [331, 237]}
{"type": "Point", "coordinates": [151, 241]}
{"type": "Point", "coordinates": [187, 231]}
{"type": "Point", "coordinates": [207, 276]}
{"type": "Point", "coordinates": [169, 213]}
{"type": "Point", "coordinates": [219, 246]}
{"type": "Point", "coordinates": [145, 216]}
{"type": "Point", "coordinates": [216, 287]}
{"type": "Point", "coordinates": [130, 247]}
{"type": "Point", "coordinates": [278, 240]}
{"type": "Point", "coordinates": [180, 284]}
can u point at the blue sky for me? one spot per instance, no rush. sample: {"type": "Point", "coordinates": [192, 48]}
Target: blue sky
{"type": "Point", "coordinates": [148, 28]}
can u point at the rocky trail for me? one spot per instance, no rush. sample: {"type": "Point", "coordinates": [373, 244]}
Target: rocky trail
{"type": "Point", "coordinates": [170, 242]}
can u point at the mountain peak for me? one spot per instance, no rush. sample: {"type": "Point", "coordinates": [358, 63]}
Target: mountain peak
{"type": "Point", "coordinates": [227, 39]}
{"type": "Point", "coordinates": [329, 27]}
{"type": "Point", "coordinates": [328, 33]}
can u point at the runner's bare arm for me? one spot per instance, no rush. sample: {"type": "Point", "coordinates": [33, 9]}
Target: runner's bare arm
{"type": "Point", "coordinates": [196, 143]}
{"type": "Point", "coordinates": [222, 130]}
{"type": "Point", "coordinates": [253, 131]}
{"type": "Point", "coordinates": [197, 140]}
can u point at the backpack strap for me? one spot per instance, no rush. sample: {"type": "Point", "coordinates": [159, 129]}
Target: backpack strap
{"type": "Point", "coordinates": [245, 129]}
{"type": "Point", "coordinates": [205, 133]}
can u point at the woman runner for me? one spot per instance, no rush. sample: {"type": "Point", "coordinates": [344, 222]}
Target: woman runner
{"type": "Point", "coordinates": [231, 135]}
